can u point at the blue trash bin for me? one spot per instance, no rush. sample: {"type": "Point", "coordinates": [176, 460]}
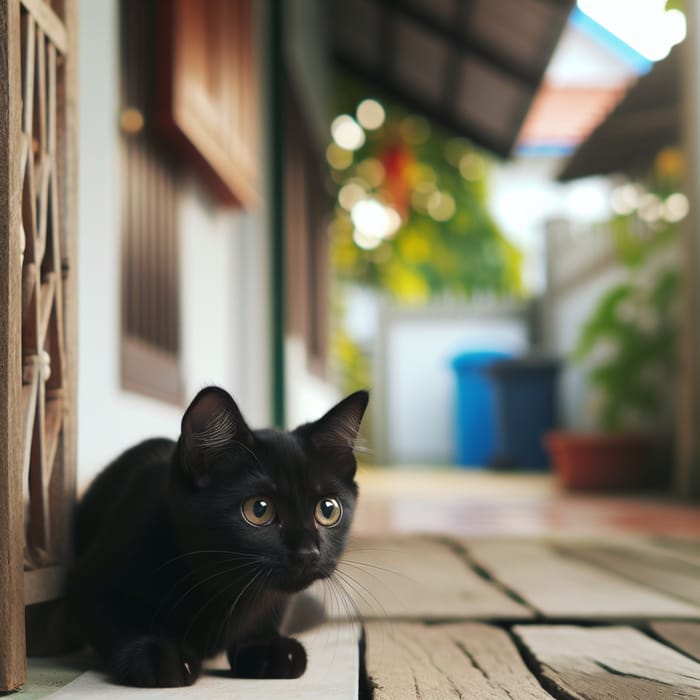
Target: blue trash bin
{"type": "Point", "coordinates": [525, 402]}
{"type": "Point", "coordinates": [475, 417]}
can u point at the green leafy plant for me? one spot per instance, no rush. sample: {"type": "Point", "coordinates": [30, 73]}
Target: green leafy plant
{"type": "Point", "coordinates": [446, 241]}
{"type": "Point", "coordinates": [630, 341]}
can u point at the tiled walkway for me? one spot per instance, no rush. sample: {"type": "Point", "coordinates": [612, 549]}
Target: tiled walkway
{"type": "Point", "coordinates": [474, 503]}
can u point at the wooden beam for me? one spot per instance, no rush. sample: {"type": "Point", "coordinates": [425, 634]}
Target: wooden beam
{"type": "Point", "coordinates": [687, 472]}
{"type": "Point", "coordinates": [68, 171]}
{"type": "Point", "coordinates": [12, 632]}
{"type": "Point", "coordinates": [465, 42]}
{"type": "Point", "coordinates": [433, 112]}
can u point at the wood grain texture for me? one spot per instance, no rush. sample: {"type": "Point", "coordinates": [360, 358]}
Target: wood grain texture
{"type": "Point", "coordinates": [12, 642]}
{"type": "Point", "coordinates": [655, 570]}
{"type": "Point", "coordinates": [63, 498]}
{"type": "Point", "coordinates": [413, 579]}
{"type": "Point", "coordinates": [567, 588]}
{"type": "Point", "coordinates": [44, 584]}
{"type": "Point", "coordinates": [209, 94]}
{"type": "Point", "coordinates": [49, 22]}
{"type": "Point", "coordinates": [410, 661]}
{"type": "Point", "coordinates": [609, 663]}
{"type": "Point", "coordinates": [681, 635]}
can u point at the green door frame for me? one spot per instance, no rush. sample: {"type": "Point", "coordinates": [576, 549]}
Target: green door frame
{"type": "Point", "coordinates": [275, 103]}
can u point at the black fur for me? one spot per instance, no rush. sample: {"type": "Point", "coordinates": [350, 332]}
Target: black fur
{"type": "Point", "coordinates": [169, 572]}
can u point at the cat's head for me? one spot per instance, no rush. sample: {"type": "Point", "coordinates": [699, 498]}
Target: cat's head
{"type": "Point", "coordinates": [281, 502]}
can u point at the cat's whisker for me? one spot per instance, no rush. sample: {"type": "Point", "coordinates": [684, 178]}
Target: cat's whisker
{"type": "Point", "coordinates": [201, 552]}
{"type": "Point", "coordinates": [360, 589]}
{"type": "Point", "coordinates": [202, 582]}
{"type": "Point", "coordinates": [240, 594]}
{"type": "Point", "coordinates": [218, 595]}
{"type": "Point", "coordinates": [223, 627]}
{"type": "Point", "coordinates": [347, 600]}
{"type": "Point", "coordinates": [366, 564]}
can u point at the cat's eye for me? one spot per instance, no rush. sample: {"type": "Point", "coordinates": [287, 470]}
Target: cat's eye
{"type": "Point", "coordinates": [328, 512]}
{"type": "Point", "coordinates": [258, 511]}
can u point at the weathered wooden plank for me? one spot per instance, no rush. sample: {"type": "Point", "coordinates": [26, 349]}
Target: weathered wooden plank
{"type": "Point", "coordinates": [656, 570]}
{"type": "Point", "coordinates": [467, 660]}
{"type": "Point", "coordinates": [607, 663]}
{"type": "Point", "coordinates": [412, 579]}
{"type": "Point", "coordinates": [682, 635]}
{"type": "Point", "coordinates": [332, 674]}
{"type": "Point", "coordinates": [12, 633]}
{"type": "Point", "coordinates": [566, 588]}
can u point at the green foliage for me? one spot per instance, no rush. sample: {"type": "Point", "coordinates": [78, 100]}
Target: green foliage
{"type": "Point", "coordinates": [448, 242]}
{"type": "Point", "coordinates": [631, 338]}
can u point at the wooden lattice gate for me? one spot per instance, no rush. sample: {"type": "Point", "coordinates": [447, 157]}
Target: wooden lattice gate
{"type": "Point", "coordinates": [38, 120]}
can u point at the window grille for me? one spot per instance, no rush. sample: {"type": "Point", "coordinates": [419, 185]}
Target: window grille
{"type": "Point", "coordinates": [37, 311]}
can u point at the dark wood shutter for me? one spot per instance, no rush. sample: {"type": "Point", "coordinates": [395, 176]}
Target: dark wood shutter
{"type": "Point", "coordinates": [150, 303]}
{"type": "Point", "coordinates": [209, 93]}
{"type": "Point", "coordinates": [308, 207]}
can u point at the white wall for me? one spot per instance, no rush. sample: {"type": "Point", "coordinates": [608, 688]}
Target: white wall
{"type": "Point", "coordinates": [224, 279]}
{"type": "Point", "coordinates": [309, 396]}
{"type": "Point", "coordinates": [414, 392]}
{"type": "Point", "coordinates": [523, 195]}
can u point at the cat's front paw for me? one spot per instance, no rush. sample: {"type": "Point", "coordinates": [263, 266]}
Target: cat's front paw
{"type": "Point", "coordinates": [282, 657]}
{"type": "Point", "coordinates": [153, 662]}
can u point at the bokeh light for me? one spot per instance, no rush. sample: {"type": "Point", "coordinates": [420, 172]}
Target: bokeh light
{"type": "Point", "coordinates": [370, 114]}
{"type": "Point", "coordinates": [441, 206]}
{"type": "Point", "coordinates": [372, 171]}
{"type": "Point", "coordinates": [366, 241]}
{"type": "Point", "coordinates": [676, 207]}
{"type": "Point", "coordinates": [472, 167]}
{"type": "Point", "coordinates": [347, 133]}
{"type": "Point", "coordinates": [338, 158]}
{"type": "Point", "coordinates": [350, 194]}
{"type": "Point", "coordinates": [651, 208]}
{"type": "Point", "coordinates": [370, 217]}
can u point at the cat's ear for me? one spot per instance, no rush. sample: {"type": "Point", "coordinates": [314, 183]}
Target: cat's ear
{"type": "Point", "coordinates": [337, 430]}
{"type": "Point", "coordinates": [211, 425]}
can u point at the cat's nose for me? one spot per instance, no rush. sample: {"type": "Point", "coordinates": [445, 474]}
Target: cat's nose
{"type": "Point", "coordinates": [307, 555]}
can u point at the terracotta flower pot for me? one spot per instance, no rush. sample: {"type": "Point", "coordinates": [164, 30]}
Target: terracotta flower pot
{"type": "Point", "coordinates": [601, 461]}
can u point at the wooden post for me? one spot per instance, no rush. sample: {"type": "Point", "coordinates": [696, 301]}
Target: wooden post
{"type": "Point", "coordinates": [687, 472]}
{"type": "Point", "coordinates": [69, 247]}
{"type": "Point", "coordinates": [12, 634]}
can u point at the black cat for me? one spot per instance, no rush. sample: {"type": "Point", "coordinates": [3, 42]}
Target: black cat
{"type": "Point", "coordinates": [185, 549]}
